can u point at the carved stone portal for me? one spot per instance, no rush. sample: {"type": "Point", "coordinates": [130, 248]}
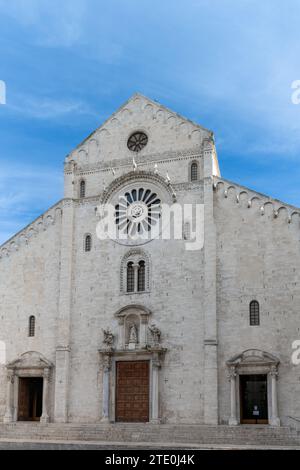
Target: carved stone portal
{"type": "Point", "coordinates": [136, 341]}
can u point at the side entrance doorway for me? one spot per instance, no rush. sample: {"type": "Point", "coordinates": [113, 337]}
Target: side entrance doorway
{"type": "Point", "coordinates": [132, 391]}
{"type": "Point", "coordinates": [30, 401]}
{"type": "Point", "coordinates": [254, 399]}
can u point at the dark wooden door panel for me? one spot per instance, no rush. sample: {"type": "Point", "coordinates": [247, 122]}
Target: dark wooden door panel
{"type": "Point", "coordinates": [30, 399]}
{"type": "Point", "coordinates": [132, 391]}
{"type": "Point", "coordinates": [23, 404]}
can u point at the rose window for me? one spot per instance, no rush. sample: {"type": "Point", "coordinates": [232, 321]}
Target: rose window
{"type": "Point", "coordinates": [137, 141]}
{"type": "Point", "coordinates": [137, 211]}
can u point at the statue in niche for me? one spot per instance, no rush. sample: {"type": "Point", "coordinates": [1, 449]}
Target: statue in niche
{"type": "Point", "coordinates": [133, 339]}
{"type": "Point", "coordinates": [156, 334]}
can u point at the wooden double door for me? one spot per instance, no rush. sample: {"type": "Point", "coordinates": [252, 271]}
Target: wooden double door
{"type": "Point", "coordinates": [30, 400]}
{"type": "Point", "coordinates": [132, 391]}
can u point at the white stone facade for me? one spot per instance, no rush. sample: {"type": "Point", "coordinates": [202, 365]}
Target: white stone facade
{"type": "Point", "coordinates": [198, 300]}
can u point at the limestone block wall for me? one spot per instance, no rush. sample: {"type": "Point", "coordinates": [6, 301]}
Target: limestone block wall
{"type": "Point", "coordinates": [175, 300]}
{"type": "Point", "coordinates": [29, 280]}
{"type": "Point", "coordinates": [258, 258]}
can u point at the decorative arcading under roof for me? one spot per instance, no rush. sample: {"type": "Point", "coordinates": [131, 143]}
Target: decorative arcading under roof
{"type": "Point", "coordinates": [41, 224]}
{"type": "Point", "coordinates": [252, 198]}
{"type": "Point", "coordinates": [158, 112]}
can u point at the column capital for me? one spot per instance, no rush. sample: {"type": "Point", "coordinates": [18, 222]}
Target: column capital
{"type": "Point", "coordinates": [11, 376]}
{"type": "Point", "coordinates": [156, 363]}
{"type": "Point", "coordinates": [63, 348]}
{"type": "Point", "coordinates": [106, 362]}
{"type": "Point", "coordinates": [231, 373]}
{"type": "Point", "coordinates": [274, 372]}
{"type": "Point", "coordinates": [144, 318]}
{"type": "Point", "coordinates": [46, 374]}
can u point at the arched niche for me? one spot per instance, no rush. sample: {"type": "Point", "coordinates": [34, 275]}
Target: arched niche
{"type": "Point", "coordinates": [130, 318]}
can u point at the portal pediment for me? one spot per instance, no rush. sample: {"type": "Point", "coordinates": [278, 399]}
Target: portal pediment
{"type": "Point", "coordinates": [30, 360]}
{"type": "Point", "coordinates": [253, 357]}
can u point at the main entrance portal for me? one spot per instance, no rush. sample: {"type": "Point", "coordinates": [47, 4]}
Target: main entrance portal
{"type": "Point", "coordinates": [132, 391]}
{"type": "Point", "coordinates": [254, 399]}
{"type": "Point", "coordinates": [30, 401]}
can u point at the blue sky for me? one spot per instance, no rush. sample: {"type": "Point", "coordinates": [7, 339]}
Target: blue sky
{"type": "Point", "coordinates": [69, 64]}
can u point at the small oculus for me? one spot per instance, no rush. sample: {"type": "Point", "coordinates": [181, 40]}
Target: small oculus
{"type": "Point", "coordinates": [137, 141]}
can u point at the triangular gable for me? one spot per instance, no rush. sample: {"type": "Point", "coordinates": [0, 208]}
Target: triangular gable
{"type": "Point", "coordinates": [166, 132]}
{"type": "Point", "coordinates": [158, 106]}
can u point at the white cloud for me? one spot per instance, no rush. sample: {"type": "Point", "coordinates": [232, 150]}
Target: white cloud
{"type": "Point", "coordinates": [54, 23]}
{"type": "Point", "coordinates": [47, 108]}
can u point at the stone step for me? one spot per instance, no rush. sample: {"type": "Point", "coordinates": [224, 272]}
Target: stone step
{"type": "Point", "coordinates": [242, 435]}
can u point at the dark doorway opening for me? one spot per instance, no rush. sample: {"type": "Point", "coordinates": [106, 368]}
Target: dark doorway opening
{"type": "Point", "coordinates": [30, 401]}
{"type": "Point", "coordinates": [254, 399]}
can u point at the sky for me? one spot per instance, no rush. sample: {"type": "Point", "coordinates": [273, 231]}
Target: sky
{"type": "Point", "coordinates": [67, 65]}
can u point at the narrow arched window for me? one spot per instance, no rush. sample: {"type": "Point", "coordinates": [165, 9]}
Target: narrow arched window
{"type": "Point", "coordinates": [31, 328]}
{"type": "Point", "coordinates": [194, 171]}
{"type": "Point", "coordinates": [254, 313]}
{"type": "Point", "coordinates": [141, 276]}
{"type": "Point", "coordinates": [82, 188]}
{"type": "Point", "coordinates": [88, 243]}
{"type": "Point", "coordinates": [130, 277]}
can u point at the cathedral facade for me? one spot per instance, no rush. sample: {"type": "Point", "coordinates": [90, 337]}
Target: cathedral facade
{"type": "Point", "coordinates": [142, 328]}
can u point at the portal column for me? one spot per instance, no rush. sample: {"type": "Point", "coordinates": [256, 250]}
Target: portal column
{"type": "Point", "coordinates": [274, 420]}
{"type": "Point", "coordinates": [233, 405]}
{"type": "Point", "coordinates": [106, 387]}
{"type": "Point", "coordinates": [45, 416]}
{"type": "Point", "coordinates": [121, 339]}
{"type": "Point", "coordinates": [8, 417]}
{"type": "Point", "coordinates": [62, 384]}
{"type": "Point", "coordinates": [156, 365]}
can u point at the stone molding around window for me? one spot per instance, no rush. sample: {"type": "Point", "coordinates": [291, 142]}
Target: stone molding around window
{"type": "Point", "coordinates": [135, 256]}
{"type": "Point", "coordinates": [199, 171]}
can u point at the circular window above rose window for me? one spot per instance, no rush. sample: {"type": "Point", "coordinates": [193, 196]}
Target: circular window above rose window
{"type": "Point", "coordinates": [137, 141]}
